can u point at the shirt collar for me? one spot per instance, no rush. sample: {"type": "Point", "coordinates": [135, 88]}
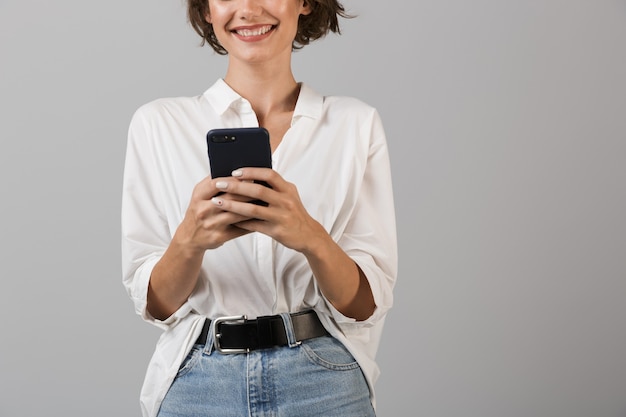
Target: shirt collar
{"type": "Point", "coordinates": [309, 104]}
{"type": "Point", "coordinates": [222, 97]}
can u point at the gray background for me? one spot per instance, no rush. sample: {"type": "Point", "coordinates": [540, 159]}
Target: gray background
{"type": "Point", "coordinates": [506, 123]}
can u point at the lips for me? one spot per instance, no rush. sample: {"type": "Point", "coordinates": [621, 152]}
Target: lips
{"type": "Point", "coordinates": [253, 32]}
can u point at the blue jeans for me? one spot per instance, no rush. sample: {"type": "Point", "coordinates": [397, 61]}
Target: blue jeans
{"type": "Point", "coordinates": [318, 377]}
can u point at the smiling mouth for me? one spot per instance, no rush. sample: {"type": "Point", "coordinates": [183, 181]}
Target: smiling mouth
{"type": "Point", "coordinates": [250, 32]}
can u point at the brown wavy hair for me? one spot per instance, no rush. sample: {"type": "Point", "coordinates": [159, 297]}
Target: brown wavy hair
{"type": "Point", "coordinates": [324, 18]}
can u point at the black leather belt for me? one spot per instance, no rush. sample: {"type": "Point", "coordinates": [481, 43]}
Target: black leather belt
{"type": "Point", "coordinates": [239, 335]}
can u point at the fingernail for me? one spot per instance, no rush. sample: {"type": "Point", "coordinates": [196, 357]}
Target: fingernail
{"type": "Point", "coordinates": [237, 173]}
{"type": "Point", "coordinates": [217, 201]}
{"type": "Point", "coordinates": [222, 185]}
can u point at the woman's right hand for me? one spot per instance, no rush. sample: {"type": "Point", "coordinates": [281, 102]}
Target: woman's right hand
{"type": "Point", "coordinates": [206, 226]}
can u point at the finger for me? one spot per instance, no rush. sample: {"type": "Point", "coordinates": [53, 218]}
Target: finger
{"type": "Point", "coordinates": [267, 175]}
{"type": "Point", "coordinates": [205, 189]}
{"type": "Point", "coordinates": [246, 210]}
{"type": "Point", "coordinates": [207, 211]}
{"type": "Point", "coordinates": [233, 232]}
{"type": "Point", "coordinates": [255, 225]}
{"type": "Point", "coordinates": [246, 191]}
{"type": "Point", "coordinates": [221, 227]}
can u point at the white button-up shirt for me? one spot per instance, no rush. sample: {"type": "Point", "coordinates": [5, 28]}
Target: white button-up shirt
{"type": "Point", "coordinates": [335, 152]}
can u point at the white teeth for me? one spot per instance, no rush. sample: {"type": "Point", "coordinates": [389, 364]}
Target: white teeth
{"type": "Point", "coordinates": [254, 32]}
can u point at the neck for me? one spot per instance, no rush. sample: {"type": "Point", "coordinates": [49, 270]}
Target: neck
{"type": "Point", "coordinates": [268, 88]}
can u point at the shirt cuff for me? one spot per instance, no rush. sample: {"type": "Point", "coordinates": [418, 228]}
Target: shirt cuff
{"type": "Point", "coordinates": [139, 296]}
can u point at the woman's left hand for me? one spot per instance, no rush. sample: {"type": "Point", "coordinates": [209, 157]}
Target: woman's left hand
{"type": "Point", "coordinates": [284, 219]}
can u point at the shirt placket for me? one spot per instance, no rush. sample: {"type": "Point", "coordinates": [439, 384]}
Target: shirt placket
{"type": "Point", "coordinates": [263, 244]}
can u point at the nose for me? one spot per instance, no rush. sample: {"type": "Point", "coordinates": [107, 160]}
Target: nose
{"type": "Point", "coordinates": [250, 9]}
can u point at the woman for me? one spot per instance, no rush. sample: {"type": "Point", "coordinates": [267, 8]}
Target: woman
{"type": "Point", "coordinates": [309, 277]}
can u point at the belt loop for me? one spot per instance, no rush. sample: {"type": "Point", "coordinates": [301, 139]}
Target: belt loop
{"type": "Point", "coordinates": [289, 331]}
{"type": "Point", "coordinates": [208, 346]}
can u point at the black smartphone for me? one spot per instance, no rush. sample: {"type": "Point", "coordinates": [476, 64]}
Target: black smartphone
{"type": "Point", "coordinates": [233, 148]}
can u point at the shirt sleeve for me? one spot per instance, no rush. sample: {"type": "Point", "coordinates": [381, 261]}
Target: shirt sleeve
{"type": "Point", "coordinates": [145, 230]}
{"type": "Point", "coordinates": [370, 235]}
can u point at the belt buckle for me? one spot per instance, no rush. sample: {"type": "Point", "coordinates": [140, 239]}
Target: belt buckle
{"type": "Point", "coordinates": [216, 335]}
